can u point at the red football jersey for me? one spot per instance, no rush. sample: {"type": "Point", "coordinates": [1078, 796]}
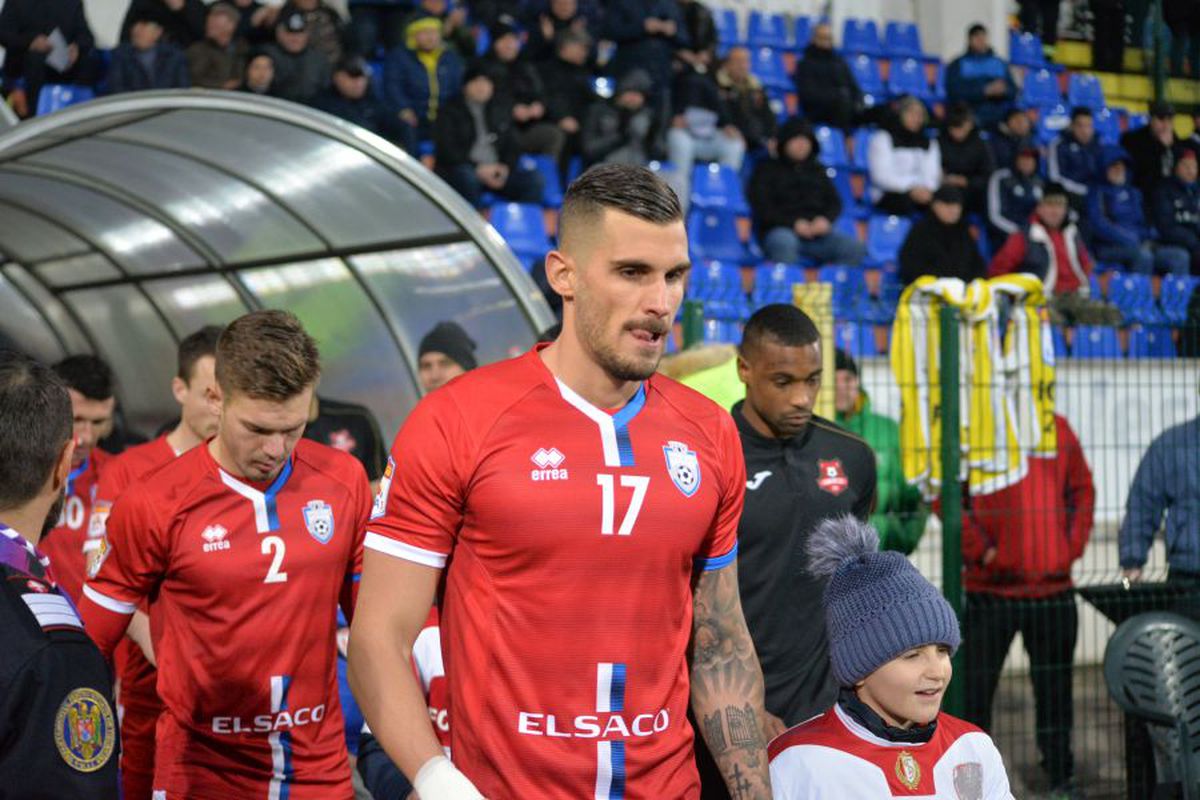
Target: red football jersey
{"type": "Point", "coordinates": [431, 671]}
{"type": "Point", "coordinates": [247, 581]}
{"type": "Point", "coordinates": [64, 543]}
{"type": "Point", "coordinates": [570, 537]}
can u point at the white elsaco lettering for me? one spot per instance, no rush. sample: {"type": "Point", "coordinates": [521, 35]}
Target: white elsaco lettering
{"type": "Point", "coordinates": [592, 726]}
{"type": "Point", "coordinates": [269, 723]}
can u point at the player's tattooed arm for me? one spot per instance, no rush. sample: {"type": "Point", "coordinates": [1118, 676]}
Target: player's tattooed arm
{"type": "Point", "coordinates": [727, 685]}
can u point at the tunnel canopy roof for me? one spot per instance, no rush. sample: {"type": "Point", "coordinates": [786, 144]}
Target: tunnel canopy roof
{"type": "Point", "coordinates": [128, 222]}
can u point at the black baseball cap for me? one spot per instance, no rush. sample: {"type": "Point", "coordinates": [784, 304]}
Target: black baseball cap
{"type": "Point", "coordinates": [1161, 109]}
{"type": "Point", "coordinates": [949, 194]}
{"type": "Point", "coordinates": [352, 65]}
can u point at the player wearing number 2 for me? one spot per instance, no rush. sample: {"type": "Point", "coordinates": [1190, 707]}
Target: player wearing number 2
{"type": "Point", "coordinates": [248, 544]}
{"type": "Point", "coordinates": [584, 510]}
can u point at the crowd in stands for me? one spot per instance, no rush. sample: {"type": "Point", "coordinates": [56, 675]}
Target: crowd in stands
{"type": "Point", "coordinates": [507, 100]}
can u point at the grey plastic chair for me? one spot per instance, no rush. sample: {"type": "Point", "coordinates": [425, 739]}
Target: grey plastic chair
{"type": "Point", "coordinates": [1152, 667]}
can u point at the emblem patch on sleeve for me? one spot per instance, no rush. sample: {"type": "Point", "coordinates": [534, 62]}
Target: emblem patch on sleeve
{"type": "Point", "coordinates": [85, 730]}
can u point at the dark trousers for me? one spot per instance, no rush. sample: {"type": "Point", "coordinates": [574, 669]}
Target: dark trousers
{"type": "Point", "coordinates": [523, 186]}
{"type": "Point", "coordinates": [899, 203]}
{"type": "Point", "coordinates": [1049, 627]}
{"type": "Point", "coordinates": [377, 26]}
{"type": "Point", "coordinates": [1108, 36]}
{"type": "Point", "coordinates": [1040, 17]}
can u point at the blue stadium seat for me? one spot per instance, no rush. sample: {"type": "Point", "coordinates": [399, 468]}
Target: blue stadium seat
{"type": "Point", "coordinates": [1085, 90]}
{"type": "Point", "coordinates": [907, 76]}
{"type": "Point", "coordinates": [844, 225]}
{"type": "Point", "coordinates": [522, 227]}
{"type": "Point", "coordinates": [767, 65]}
{"type": "Point", "coordinates": [713, 235]}
{"type": "Point", "coordinates": [833, 146]}
{"type": "Point", "coordinates": [718, 186]}
{"type": "Point", "coordinates": [1025, 49]}
{"type": "Point", "coordinates": [56, 96]}
{"type": "Point", "coordinates": [1151, 341]}
{"type": "Point", "coordinates": [732, 309]}
{"type": "Point", "coordinates": [902, 40]}
{"type": "Point", "coordinates": [1136, 121]}
{"type": "Point", "coordinates": [552, 194]}
{"type": "Point", "coordinates": [801, 33]}
{"type": "Point", "coordinates": [1060, 341]}
{"type": "Point", "coordinates": [574, 169]}
{"type": "Point", "coordinates": [939, 83]}
{"type": "Point", "coordinates": [862, 142]}
{"type": "Point", "coordinates": [1108, 126]}
{"type": "Point", "coordinates": [773, 283]}
{"type": "Point", "coordinates": [866, 73]}
{"type": "Point", "coordinates": [861, 36]}
{"type": "Point", "coordinates": [765, 29]}
{"type": "Point", "coordinates": [1051, 123]}
{"type": "Point", "coordinates": [726, 20]}
{"type": "Point", "coordinates": [850, 298]}
{"type": "Point", "coordinates": [885, 235]}
{"type": "Point", "coordinates": [856, 338]}
{"type": "Point", "coordinates": [1040, 89]}
{"type": "Point", "coordinates": [1175, 295]}
{"type": "Point", "coordinates": [714, 280]}
{"type": "Point", "coordinates": [1096, 341]}
{"type": "Point", "coordinates": [722, 332]}
{"type": "Point", "coordinates": [851, 208]}
{"type": "Point", "coordinates": [1134, 296]}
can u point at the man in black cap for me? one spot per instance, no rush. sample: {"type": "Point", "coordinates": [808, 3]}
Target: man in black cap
{"type": "Point", "coordinates": [624, 129]}
{"type": "Point", "coordinates": [58, 730]}
{"type": "Point", "coordinates": [300, 71]}
{"type": "Point", "coordinates": [445, 353]}
{"type": "Point", "coordinates": [940, 243]}
{"type": "Point", "coordinates": [1152, 149]}
{"type": "Point", "coordinates": [350, 97]}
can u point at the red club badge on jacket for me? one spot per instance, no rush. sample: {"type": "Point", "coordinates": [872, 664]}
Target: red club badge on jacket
{"type": "Point", "coordinates": [831, 477]}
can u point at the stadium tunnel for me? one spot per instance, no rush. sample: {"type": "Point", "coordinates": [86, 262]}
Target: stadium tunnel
{"type": "Point", "coordinates": [127, 223]}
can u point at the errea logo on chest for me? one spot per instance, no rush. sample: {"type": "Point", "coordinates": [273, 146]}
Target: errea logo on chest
{"type": "Point", "coordinates": [549, 465]}
{"type": "Point", "coordinates": [214, 537]}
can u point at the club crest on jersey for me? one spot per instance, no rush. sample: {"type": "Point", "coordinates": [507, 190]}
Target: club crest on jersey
{"type": "Point", "coordinates": [683, 466]}
{"type": "Point", "coordinates": [908, 771]}
{"type": "Point", "coordinates": [85, 730]}
{"type": "Point", "coordinates": [318, 518]}
{"type": "Point", "coordinates": [831, 477]}
{"type": "Point", "coordinates": [968, 781]}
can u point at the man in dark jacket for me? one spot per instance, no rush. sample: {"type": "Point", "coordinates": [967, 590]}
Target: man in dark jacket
{"type": "Point", "coordinates": [352, 98]}
{"type": "Point", "coordinates": [1012, 135]}
{"type": "Point", "coordinates": [1177, 207]}
{"type": "Point", "coordinates": [182, 21]}
{"type": "Point", "coordinates": [966, 160]}
{"type": "Point", "coordinates": [217, 62]}
{"type": "Point", "coordinates": [147, 62]}
{"type": "Point", "coordinates": [476, 149]}
{"type": "Point", "coordinates": [621, 130]}
{"type": "Point", "coordinates": [1152, 149]}
{"type": "Point", "coordinates": [300, 71]}
{"type": "Point", "coordinates": [519, 91]}
{"type": "Point", "coordinates": [647, 34]}
{"type": "Point", "coordinates": [746, 101]}
{"type": "Point", "coordinates": [421, 75]}
{"type": "Point", "coordinates": [825, 85]}
{"type": "Point", "coordinates": [551, 22]}
{"type": "Point", "coordinates": [981, 79]}
{"type": "Point", "coordinates": [700, 28]}
{"type": "Point", "coordinates": [940, 243]}
{"type": "Point", "coordinates": [1117, 222]}
{"type": "Point", "coordinates": [25, 28]}
{"type": "Point", "coordinates": [568, 92]}
{"type": "Point", "coordinates": [794, 203]}
{"type": "Point", "coordinates": [1074, 156]}
{"type": "Point", "coordinates": [1012, 195]}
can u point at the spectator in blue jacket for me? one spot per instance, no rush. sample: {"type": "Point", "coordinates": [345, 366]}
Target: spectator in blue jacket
{"type": "Point", "coordinates": [981, 79]}
{"type": "Point", "coordinates": [351, 97]}
{"type": "Point", "coordinates": [1165, 484]}
{"type": "Point", "coordinates": [1074, 156]}
{"type": "Point", "coordinates": [1117, 221]}
{"type": "Point", "coordinates": [1177, 206]}
{"type": "Point", "coordinates": [1011, 136]}
{"type": "Point", "coordinates": [421, 76]}
{"type": "Point", "coordinates": [647, 34]}
{"type": "Point", "coordinates": [1013, 194]}
{"type": "Point", "coordinates": [147, 62]}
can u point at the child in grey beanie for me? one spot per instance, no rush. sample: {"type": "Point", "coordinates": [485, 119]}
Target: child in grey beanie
{"type": "Point", "coordinates": [891, 637]}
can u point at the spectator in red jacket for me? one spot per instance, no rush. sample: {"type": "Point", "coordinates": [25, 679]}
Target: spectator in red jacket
{"type": "Point", "coordinates": [1018, 547]}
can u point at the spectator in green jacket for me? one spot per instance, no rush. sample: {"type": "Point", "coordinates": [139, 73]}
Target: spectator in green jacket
{"type": "Point", "coordinates": [899, 512]}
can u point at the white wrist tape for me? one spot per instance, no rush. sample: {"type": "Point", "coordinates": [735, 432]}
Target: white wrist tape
{"type": "Point", "coordinates": [438, 779]}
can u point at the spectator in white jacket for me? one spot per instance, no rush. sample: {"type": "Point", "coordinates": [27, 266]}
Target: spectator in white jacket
{"type": "Point", "coordinates": [905, 165]}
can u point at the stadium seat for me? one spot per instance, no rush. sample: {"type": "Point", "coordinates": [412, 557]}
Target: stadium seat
{"type": "Point", "coordinates": [1108, 126]}
{"type": "Point", "coordinates": [902, 40]}
{"type": "Point", "coordinates": [521, 226]}
{"type": "Point", "coordinates": [57, 96]}
{"type": "Point", "coordinates": [714, 280]}
{"type": "Point", "coordinates": [552, 194]}
{"type": "Point", "coordinates": [861, 36]}
{"type": "Point", "coordinates": [1175, 295]}
{"type": "Point", "coordinates": [833, 146]}
{"type": "Point", "coordinates": [1051, 123]}
{"type": "Point", "coordinates": [850, 298]}
{"type": "Point", "coordinates": [765, 29]}
{"type": "Point", "coordinates": [885, 234]}
{"type": "Point", "coordinates": [1040, 89]}
{"type": "Point", "coordinates": [773, 283]}
{"type": "Point", "coordinates": [718, 186]}
{"type": "Point", "coordinates": [1136, 121]}
{"type": "Point", "coordinates": [862, 142]}
{"type": "Point", "coordinates": [856, 338]}
{"type": "Point", "coordinates": [1085, 90]}
{"type": "Point", "coordinates": [866, 74]}
{"type": "Point", "coordinates": [726, 20]}
{"type": "Point", "coordinates": [851, 208]}
{"type": "Point", "coordinates": [1151, 341]}
{"type": "Point", "coordinates": [1025, 49]}
{"type": "Point", "coordinates": [1096, 341]}
{"type": "Point", "coordinates": [907, 76]}
{"type": "Point", "coordinates": [801, 33]}
{"type": "Point", "coordinates": [1059, 337]}
{"type": "Point", "coordinates": [939, 83]}
{"type": "Point", "coordinates": [714, 235]}
{"type": "Point", "coordinates": [1134, 296]}
{"type": "Point", "coordinates": [767, 65]}
{"type": "Point", "coordinates": [722, 332]}
{"type": "Point", "coordinates": [732, 309]}
{"type": "Point", "coordinates": [844, 225]}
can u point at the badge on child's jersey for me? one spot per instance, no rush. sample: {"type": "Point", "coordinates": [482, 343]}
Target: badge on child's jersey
{"type": "Point", "coordinates": [85, 730]}
{"type": "Point", "coordinates": [908, 770]}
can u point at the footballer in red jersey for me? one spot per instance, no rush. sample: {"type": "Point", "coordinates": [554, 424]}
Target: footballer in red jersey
{"type": "Point", "coordinates": [89, 382]}
{"type": "Point", "coordinates": [140, 706]}
{"type": "Point", "coordinates": [584, 510]}
{"type": "Point", "coordinates": [247, 545]}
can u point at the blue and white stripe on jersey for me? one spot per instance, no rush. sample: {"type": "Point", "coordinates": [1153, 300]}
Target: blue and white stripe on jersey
{"type": "Point", "coordinates": [266, 516]}
{"type": "Point", "coordinates": [610, 755]}
{"type": "Point", "coordinates": [280, 742]}
{"type": "Point", "coordinates": [614, 428]}
{"type": "Point", "coordinates": [717, 562]}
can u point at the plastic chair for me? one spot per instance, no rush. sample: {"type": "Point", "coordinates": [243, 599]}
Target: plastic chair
{"type": "Point", "coordinates": [713, 234]}
{"type": "Point", "coordinates": [844, 224]}
{"type": "Point", "coordinates": [1059, 337]}
{"type": "Point", "coordinates": [1174, 297]}
{"type": "Point", "coordinates": [552, 194]}
{"type": "Point", "coordinates": [715, 280]}
{"type": "Point", "coordinates": [862, 142]}
{"type": "Point", "coordinates": [885, 235]}
{"type": "Point", "coordinates": [57, 96]}
{"type": "Point", "coordinates": [773, 283]}
{"type": "Point", "coordinates": [1025, 49]}
{"type": "Point", "coordinates": [1152, 668]}
{"type": "Point", "coordinates": [939, 83]}
{"type": "Point", "coordinates": [833, 146]}
{"type": "Point", "coordinates": [856, 338]}
{"type": "Point", "coordinates": [765, 29]}
{"type": "Point", "coordinates": [902, 39]}
{"type": "Point", "coordinates": [1085, 90]}
{"type": "Point", "coordinates": [841, 182]}
{"type": "Point", "coordinates": [722, 332]}
{"type": "Point", "coordinates": [1096, 341]}
{"type": "Point", "coordinates": [802, 33]}
{"type": "Point", "coordinates": [1151, 341]}
{"type": "Point", "coordinates": [733, 309]}
{"type": "Point", "coordinates": [861, 36]}
{"type": "Point", "coordinates": [718, 186]}
{"type": "Point", "coordinates": [767, 65]}
{"type": "Point", "coordinates": [866, 73]}
{"type": "Point", "coordinates": [850, 297]}
{"type": "Point", "coordinates": [1040, 89]}
{"type": "Point", "coordinates": [1051, 123]}
{"type": "Point", "coordinates": [1108, 126]}
{"type": "Point", "coordinates": [726, 20]}
{"type": "Point", "coordinates": [907, 76]}
{"type": "Point", "coordinates": [521, 226]}
{"type": "Point", "coordinates": [1134, 296]}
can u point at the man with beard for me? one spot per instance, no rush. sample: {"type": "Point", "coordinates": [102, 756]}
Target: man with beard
{"type": "Point", "coordinates": [579, 511]}
{"type": "Point", "coordinates": [58, 731]}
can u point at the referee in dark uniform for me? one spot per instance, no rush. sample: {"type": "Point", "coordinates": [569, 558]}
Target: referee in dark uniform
{"type": "Point", "coordinates": [800, 470]}
{"type": "Point", "coordinates": [58, 729]}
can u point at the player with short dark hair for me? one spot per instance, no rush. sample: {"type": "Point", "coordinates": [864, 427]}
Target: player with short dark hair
{"type": "Point", "coordinates": [58, 732]}
{"type": "Point", "coordinates": [583, 510]}
{"type": "Point", "coordinates": [247, 544]}
{"type": "Point", "coordinates": [191, 386]}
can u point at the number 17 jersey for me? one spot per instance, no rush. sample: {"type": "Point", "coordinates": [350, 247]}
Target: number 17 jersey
{"type": "Point", "coordinates": [570, 537]}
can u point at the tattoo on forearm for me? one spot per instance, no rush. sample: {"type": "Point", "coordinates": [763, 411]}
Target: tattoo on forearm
{"type": "Point", "coordinates": [714, 733]}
